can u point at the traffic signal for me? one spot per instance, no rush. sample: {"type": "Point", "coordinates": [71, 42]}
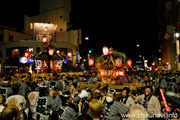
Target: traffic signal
{"type": "Point", "coordinates": [90, 51]}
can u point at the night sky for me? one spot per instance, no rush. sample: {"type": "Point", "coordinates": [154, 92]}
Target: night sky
{"type": "Point", "coordinates": [118, 24]}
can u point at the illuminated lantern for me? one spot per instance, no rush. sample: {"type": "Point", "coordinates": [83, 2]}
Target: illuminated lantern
{"type": "Point", "coordinates": [91, 62]}
{"type": "Point", "coordinates": [76, 65]}
{"type": "Point", "coordinates": [105, 50]}
{"type": "Point", "coordinates": [129, 63]}
{"type": "Point", "coordinates": [51, 52]}
{"type": "Point", "coordinates": [167, 63]}
{"type": "Point", "coordinates": [118, 62]}
{"type": "Point", "coordinates": [44, 40]}
{"type": "Point", "coordinates": [27, 54]}
{"type": "Point", "coordinates": [69, 54]}
{"type": "Point", "coordinates": [164, 100]}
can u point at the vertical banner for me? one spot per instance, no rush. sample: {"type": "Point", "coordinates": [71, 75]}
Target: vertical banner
{"type": "Point", "coordinates": [80, 36]}
{"type": "Point", "coordinates": [78, 56]}
{"type": "Point", "coordinates": [43, 30]}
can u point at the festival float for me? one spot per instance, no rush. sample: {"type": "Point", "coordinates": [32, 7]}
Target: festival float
{"type": "Point", "coordinates": [48, 60]}
{"type": "Point", "coordinates": [111, 66]}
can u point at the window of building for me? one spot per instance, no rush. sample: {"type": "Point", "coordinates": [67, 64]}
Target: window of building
{"type": "Point", "coordinates": [15, 53]}
{"type": "Point", "coordinates": [10, 38]}
{"type": "Point", "coordinates": [1, 38]}
{"type": "Point", "coordinates": [61, 17]}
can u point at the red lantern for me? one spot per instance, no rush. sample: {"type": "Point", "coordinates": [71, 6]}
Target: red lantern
{"type": "Point", "coordinates": [27, 54]}
{"type": "Point", "coordinates": [91, 62]}
{"type": "Point", "coordinates": [105, 50]}
{"type": "Point", "coordinates": [51, 52]}
{"type": "Point", "coordinates": [69, 54]}
{"type": "Point", "coordinates": [129, 63]}
{"type": "Point", "coordinates": [118, 62]}
{"type": "Point", "coordinates": [44, 40]}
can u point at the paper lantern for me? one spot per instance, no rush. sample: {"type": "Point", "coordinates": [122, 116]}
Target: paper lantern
{"type": "Point", "coordinates": [69, 54]}
{"type": "Point", "coordinates": [27, 54]}
{"type": "Point", "coordinates": [118, 62]}
{"type": "Point", "coordinates": [44, 40]}
{"type": "Point", "coordinates": [51, 52]}
{"type": "Point", "coordinates": [91, 62]}
{"type": "Point", "coordinates": [129, 63]}
{"type": "Point", "coordinates": [105, 50]}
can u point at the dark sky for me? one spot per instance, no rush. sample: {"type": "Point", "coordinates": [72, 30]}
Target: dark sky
{"type": "Point", "coordinates": [118, 24]}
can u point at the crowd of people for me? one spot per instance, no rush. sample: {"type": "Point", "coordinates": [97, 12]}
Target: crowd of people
{"type": "Point", "coordinates": [60, 97]}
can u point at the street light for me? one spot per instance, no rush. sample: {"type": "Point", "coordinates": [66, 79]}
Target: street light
{"type": "Point", "coordinates": [90, 51]}
{"type": "Point", "coordinates": [177, 35]}
{"type": "Point", "coordinates": [137, 45]}
{"type": "Point", "coordinates": [86, 38]}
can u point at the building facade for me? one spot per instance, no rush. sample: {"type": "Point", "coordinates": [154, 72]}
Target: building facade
{"type": "Point", "coordinates": [53, 22]}
{"type": "Point", "coordinates": [168, 12]}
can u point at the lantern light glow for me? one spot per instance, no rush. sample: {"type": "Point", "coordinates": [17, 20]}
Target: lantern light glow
{"type": "Point", "coordinates": [44, 40]}
{"type": "Point", "coordinates": [69, 54]}
{"type": "Point", "coordinates": [164, 100]}
{"type": "Point", "coordinates": [129, 63]}
{"type": "Point", "coordinates": [51, 52]}
{"type": "Point", "coordinates": [27, 54]}
{"type": "Point", "coordinates": [105, 50]}
{"type": "Point", "coordinates": [91, 62]}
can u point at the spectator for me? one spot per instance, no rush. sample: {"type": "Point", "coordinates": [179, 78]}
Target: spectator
{"type": "Point", "coordinates": [84, 104]}
{"type": "Point", "coordinates": [24, 89]}
{"type": "Point", "coordinates": [96, 109]}
{"type": "Point", "coordinates": [6, 88]}
{"type": "Point", "coordinates": [10, 113]}
{"type": "Point", "coordinates": [113, 109]}
{"type": "Point", "coordinates": [93, 78]}
{"type": "Point", "coordinates": [84, 117]}
{"type": "Point", "coordinates": [127, 100]}
{"type": "Point", "coordinates": [20, 102]}
{"type": "Point", "coordinates": [45, 105]}
{"type": "Point", "coordinates": [137, 112]}
{"type": "Point", "coordinates": [150, 102]}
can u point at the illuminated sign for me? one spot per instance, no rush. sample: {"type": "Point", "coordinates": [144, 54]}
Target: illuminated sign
{"type": "Point", "coordinates": [43, 30]}
{"type": "Point", "coordinates": [25, 60]}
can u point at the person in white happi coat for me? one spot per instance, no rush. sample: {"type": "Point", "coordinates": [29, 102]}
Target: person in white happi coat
{"type": "Point", "coordinates": [20, 102]}
{"type": "Point", "coordinates": [126, 99]}
{"type": "Point", "coordinates": [32, 100]}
